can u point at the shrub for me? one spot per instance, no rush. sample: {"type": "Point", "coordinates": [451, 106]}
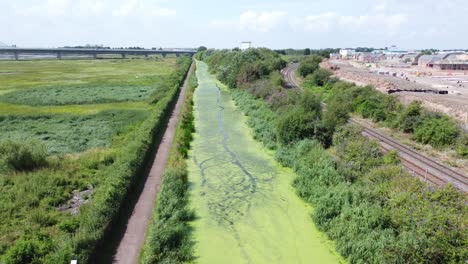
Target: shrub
{"type": "Point", "coordinates": [438, 131]}
{"type": "Point", "coordinates": [309, 65]}
{"type": "Point", "coordinates": [462, 145]}
{"type": "Point", "coordinates": [28, 250]}
{"type": "Point", "coordinates": [297, 124]}
{"type": "Point", "coordinates": [22, 156]}
{"type": "Point", "coordinates": [410, 117]}
{"type": "Point", "coordinates": [318, 78]}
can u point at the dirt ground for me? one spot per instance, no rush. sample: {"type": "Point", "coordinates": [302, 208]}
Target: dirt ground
{"type": "Point", "coordinates": [454, 104]}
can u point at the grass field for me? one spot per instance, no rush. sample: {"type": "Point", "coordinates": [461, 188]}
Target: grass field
{"type": "Point", "coordinates": [73, 106]}
{"type": "Point", "coordinates": [88, 114]}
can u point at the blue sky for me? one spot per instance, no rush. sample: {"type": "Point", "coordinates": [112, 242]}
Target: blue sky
{"type": "Point", "coordinates": [223, 24]}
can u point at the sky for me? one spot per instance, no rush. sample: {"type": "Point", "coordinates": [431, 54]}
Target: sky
{"type": "Point", "coordinates": [408, 24]}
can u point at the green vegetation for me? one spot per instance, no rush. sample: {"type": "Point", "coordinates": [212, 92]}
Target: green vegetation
{"type": "Point", "coordinates": [299, 53]}
{"type": "Point", "coordinates": [169, 235]}
{"type": "Point", "coordinates": [309, 65]}
{"type": "Point", "coordinates": [97, 153]}
{"type": "Point", "coordinates": [78, 95]}
{"type": "Point", "coordinates": [22, 156]}
{"type": "Point", "coordinates": [363, 199]}
{"type": "Point", "coordinates": [83, 73]}
{"type": "Point", "coordinates": [435, 129]}
{"type": "Point", "coordinates": [63, 134]}
{"type": "Point", "coordinates": [246, 209]}
{"type": "Point", "coordinates": [236, 68]}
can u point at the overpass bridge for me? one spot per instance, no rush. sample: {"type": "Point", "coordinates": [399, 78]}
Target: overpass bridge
{"type": "Point", "coordinates": [59, 52]}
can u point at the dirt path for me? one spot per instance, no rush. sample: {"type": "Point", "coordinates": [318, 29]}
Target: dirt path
{"type": "Point", "coordinates": [132, 241]}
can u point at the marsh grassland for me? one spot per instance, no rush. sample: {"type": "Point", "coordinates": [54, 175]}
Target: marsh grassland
{"type": "Point", "coordinates": [74, 136]}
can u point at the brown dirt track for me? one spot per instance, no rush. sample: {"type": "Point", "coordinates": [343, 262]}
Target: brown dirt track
{"type": "Point", "coordinates": [132, 241]}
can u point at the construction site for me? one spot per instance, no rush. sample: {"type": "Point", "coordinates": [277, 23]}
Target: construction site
{"type": "Point", "coordinates": [439, 80]}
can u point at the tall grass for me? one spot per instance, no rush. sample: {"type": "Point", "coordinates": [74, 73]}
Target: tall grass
{"type": "Point", "coordinates": [65, 133]}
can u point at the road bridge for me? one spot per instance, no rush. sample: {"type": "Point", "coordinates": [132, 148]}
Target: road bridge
{"type": "Point", "coordinates": [59, 52]}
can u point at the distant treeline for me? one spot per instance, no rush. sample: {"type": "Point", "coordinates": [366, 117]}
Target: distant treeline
{"type": "Point", "coordinates": [320, 52]}
{"type": "Point", "coordinates": [100, 47]}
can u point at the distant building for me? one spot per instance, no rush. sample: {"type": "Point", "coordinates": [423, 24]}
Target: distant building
{"type": "Point", "coordinates": [429, 60]}
{"type": "Point", "coordinates": [347, 53]}
{"type": "Point", "coordinates": [451, 65]}
{"type": "Point", "coordinates": [456, 61]}
{"type": "Point", "coordinates": [245, 45]}
{"type": "Point", "coordinates": [369, 57]}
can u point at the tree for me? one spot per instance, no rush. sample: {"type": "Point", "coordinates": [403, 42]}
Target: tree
{"type": "Point", "coordinates": [201, 48]}
{"type": "Point", "coordinates": [307, 52]}
{"type": "Point", "coordinates": [309, 65]}
{"type": "Point", "coordinates": [319, 77]}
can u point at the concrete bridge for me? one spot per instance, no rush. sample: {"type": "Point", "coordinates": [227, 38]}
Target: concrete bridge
{"type": "Point", "coordinates": [17, 52]}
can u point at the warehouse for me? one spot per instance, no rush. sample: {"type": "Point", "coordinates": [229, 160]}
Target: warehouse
{"type": "Point", "coordinates": [454, 65]}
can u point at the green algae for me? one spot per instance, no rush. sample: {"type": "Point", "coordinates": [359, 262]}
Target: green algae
{"type": "Point", "coordinates": [247, 211]}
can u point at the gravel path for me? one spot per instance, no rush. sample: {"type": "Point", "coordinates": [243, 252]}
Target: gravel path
{"type": "Point", "coordinates": [132, 241]}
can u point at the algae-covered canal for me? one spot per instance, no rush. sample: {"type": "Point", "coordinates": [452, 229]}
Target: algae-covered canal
{"type": "Point", "coordinates": [247, 211]}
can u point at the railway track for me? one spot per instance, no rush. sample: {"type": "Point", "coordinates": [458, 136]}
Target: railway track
{"type": "Point", "coordinates": [288, 74]}
{"type": "Point", "coordinates": [428, 169]}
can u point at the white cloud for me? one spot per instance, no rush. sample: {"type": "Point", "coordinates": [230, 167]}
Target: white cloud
{"type": "Point", "coordinates": [381, 6]}
{"type": "Point", "coordinates": [164, 12]}
{"type": "Point", "coordinates": [316, 23]}
{"type": "Point", "coordinates": [251, 21]}
{"type": "Point", "coordinates": [140, 8]}
{"type": "Point", "coordinates": [125, 9]}
{"type": "Point", "coordinates": [263, 21]}
{"type": "Point", "coordinates": [57, 7]}
{"type": "Point", "coordinates": [330, 21]}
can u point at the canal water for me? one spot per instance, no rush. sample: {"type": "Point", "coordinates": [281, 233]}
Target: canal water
{"type": "Point", "coordinates": [247, 210]}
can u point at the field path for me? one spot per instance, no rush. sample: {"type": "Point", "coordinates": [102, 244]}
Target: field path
{"type": "Point", "coordinates": [247, 210]}
{"type": "Point", "coordinates": [133, 239]}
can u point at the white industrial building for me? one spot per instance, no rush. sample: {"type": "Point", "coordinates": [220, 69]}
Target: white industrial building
{"type": "Point", "coordinates": [245, 45]}
{"type": "Point", "coordinates": [347, 53]}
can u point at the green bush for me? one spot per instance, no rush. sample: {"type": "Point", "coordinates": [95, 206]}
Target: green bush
{"type": "Point", "coordinates": [22, 156]}
{"type": "Point", "coordinates": [319, 77]}
{"type": "Point", "coordinates": [438, 131]}
{"type": "Point", "coordinates": [462, 145]}
{"type": "Point", "coordinates": [309, 65]}
{"type": "Point", "coordinates": [410, 117]}
{"type": "Point", "coordinates": [28, 250]}
{"type": "Point", "coordinates": [297, 124]}
{"type": "Point", "coordinates": [236, 68]}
